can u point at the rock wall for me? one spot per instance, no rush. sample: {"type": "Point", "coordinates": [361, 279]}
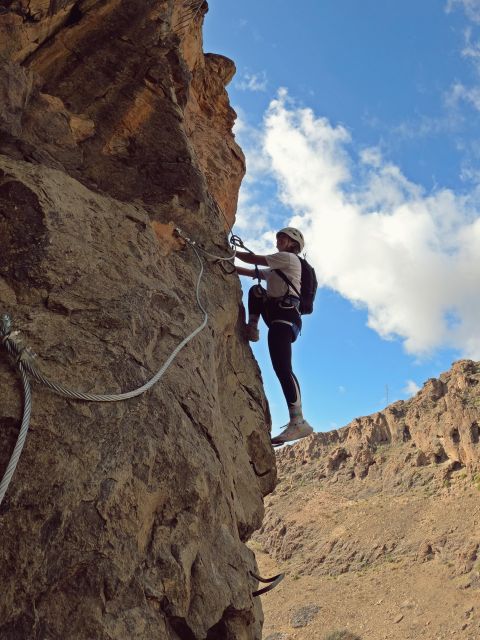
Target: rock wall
{"type": "Point", "coordinates": [124, 520]}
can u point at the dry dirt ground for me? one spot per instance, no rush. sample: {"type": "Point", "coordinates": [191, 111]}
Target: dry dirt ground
{"type": "Point", "coordinates": [399, 566]}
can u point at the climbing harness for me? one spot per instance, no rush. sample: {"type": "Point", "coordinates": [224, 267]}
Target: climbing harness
{"type": "Point", "coordinates": [24, 360]}
{"type": "Point", "coordinates": [273, 583]}
{"type": "Point", "coordinates": [308, 286]}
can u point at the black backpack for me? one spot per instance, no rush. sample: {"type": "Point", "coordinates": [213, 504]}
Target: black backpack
{"type": "Point", "coordinates": [308, 288]}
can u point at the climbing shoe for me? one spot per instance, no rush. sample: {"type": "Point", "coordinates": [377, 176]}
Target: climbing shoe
{"type": "Point", "coordinates": [252, 333]}
{"type": "Point", "coordinates": [293, 431]}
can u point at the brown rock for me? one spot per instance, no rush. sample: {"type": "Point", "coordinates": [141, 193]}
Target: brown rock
{"type": "Point", "coordinates": [124, 520]}
{"type": "Point", "coordinates": [82, 128]}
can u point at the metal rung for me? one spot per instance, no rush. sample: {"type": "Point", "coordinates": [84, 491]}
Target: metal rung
{"type": "Point", "coordinates": [273, 583]}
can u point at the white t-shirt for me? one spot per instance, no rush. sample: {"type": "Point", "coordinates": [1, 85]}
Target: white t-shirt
{"type": "Point", "coordinates": [290, 264]}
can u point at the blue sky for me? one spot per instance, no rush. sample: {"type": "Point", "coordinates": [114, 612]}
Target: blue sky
{"type": "Point", "coordinates": [360, 123]}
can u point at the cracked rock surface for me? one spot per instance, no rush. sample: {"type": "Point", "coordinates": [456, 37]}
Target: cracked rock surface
{"type": "Point", "coordinates": [124, 520]}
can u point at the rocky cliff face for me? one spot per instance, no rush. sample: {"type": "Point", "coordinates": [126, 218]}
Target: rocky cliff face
{"type": "Point", "coordinates": [378, 522]}
{"type": "Point", "coordinates": [124, 520]}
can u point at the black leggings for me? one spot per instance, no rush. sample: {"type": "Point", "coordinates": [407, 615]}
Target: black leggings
{"type": "Point", "coordinates": [281, 335]}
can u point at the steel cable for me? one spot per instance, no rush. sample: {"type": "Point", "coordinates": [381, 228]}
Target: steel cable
{"type": "Point", "coordinates": [23, 357]}
{"type": "Point", "coordinates": [117, 397]}
{"type": "Point", "coordinates": [22, 435]}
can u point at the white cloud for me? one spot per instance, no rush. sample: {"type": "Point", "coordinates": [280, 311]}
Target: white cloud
{"type": "Point", "coordinates": [411, 388]}
{"type": "Point", "coordinates": [371, 156]}
{"type": "Point", "coordinates": [471, 49]}
{"type": "Point", "coordinates": [460, 93]}
{"type": "Point", "coordinates": [471, 8]}
{"type": "Point", "coordinates": [250, 139]}
{"type": "Point", "coordinates": [470, 174]}
{"type": "Point", "coordinates": [252, 82]}
{"type": "Point", "coordinates": [423, 126]}
{"type": "Point", "coordinates": [407, 256]}
{"type": "Point", "coordinates": [252, 223]}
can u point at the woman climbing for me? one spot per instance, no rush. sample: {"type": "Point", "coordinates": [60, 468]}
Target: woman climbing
{"type": "Point", "coordinates": [279, 307]}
